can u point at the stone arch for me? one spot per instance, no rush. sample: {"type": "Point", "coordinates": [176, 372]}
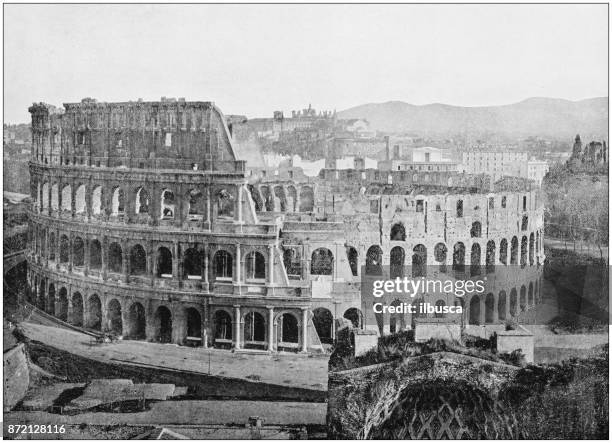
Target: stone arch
{"type": "Point", "coordinates": [490, 308]}
{"type": "Point", "coordinates": [288, 330]}
{"type": "Point", "coordinates": [225, 204]}
{"type": "Point", "coordinates": [323, 321]}
{"type": "Point", "coordinates": [475, 310]}
{"type": "Point", "coordinates": [43, 302]}
{"type": "Point", "coordinates": [61, 310]}
{"type": "Point", "coordinates": [194, 324]}
{"type": "Point", "coordinates": [459, 209]}
{"type": "Point", "coordinates": [77, 309]}
{"type": "Point", "coordinates": [167, 204]}
{"type": "Point", "coordinates": [306, 199]}
{"type": "Point", "coordinates": [138, 260]}
{"type": "Point", "coordinates": [475, 258]}
{"type": "Point", "coordinates": [256, 197]}
{"type": "Point", "coordinates": [196, 207]}
{"type": "Point", "coordinates": [268, 199]}
{"type": "Point", "coordinates": [514, 251]}
{"type": "Point", "coordinates": [223, 265]}
{"type": "Point", "coordinates": [80, 206]}
{"type": "Point", "coordinates": [222, 325]}
{"type": "Point", "coordinates": [96, 201]}
{"type": "Point", "coordinates": [476, 231]}
{"type": "Point", "coordinates": [523, 298]}
{"type": "Point", "coordinates": [503, 251]}
{"type": "Point", "coordinates": [439, 313]}
{"type": "Point", "coordinates": [292, 262]}
{"type": "Point", "coordinates": [64, 249]}
{"type": "Point", "coordinates": [137, 321]}
{"type": "Point", "coordinates": [396, 262]}
{"type": "Point", "coordinates": [118, 201]}
{"type": "Point", "coordinates": [95, 254]}
{"type": "Point", "coordinates": [374, 260]}
{"type": "Point", "coordinates": [142, 201]}
{"type": "Point", "coordinates": [490, 257]}
{"type": "Point", "coordinates": [78, 252]}
{"type": "Point", "coordinates": [291, 198]}
{"type": "Point", "coordinates": [440, 253]}
{"type": "Point", "coordinates": [162, 325]}
{"type": "Point", "coordinates": [353, 259]}
{"type": "Point", "coordinates": [55, 197]}
{"type": "Point", "coordinates": [530, 301]}
{"type": "Point", "coordinates": [398, 232]}
{"type": "Point", "coordinates": [322, 262]}
{"type": "Point", "coordinates": [355, 316]}
{"type": "Point", "coordinates": [164, 262]}
{"type": "Point", "coordinates": [255, 266]}
{"type": "Point", "coordinates": [396, 320]}
{"type": "Point", "coordinates": [513, 302]}
{"type": "Point", "coordinates": [115, 322]}
{"type": "Point", "coordinates": [45, 196]}
{"type": "Point", "coordinates": [52, 246]}
{"type": "Point", "coordinates": [279, 193]}
{"type": "Point", "coordinates": [459, 258]}
{"type": "Point", "coordinates": [115, 257]}
{"type": "Point", "coordinates": [501, 305]}
{"type": "Point", "coordinates": [524, 251]}
{"type": "Point", "coordinates": [419, 261]}
{"type": "Point", "coordinates": [67, 198]}
{"type": "Point", "coordinates": [94, 312]}
{"type": "Point", "coordinates": [254, 328]}
{"type": "Point", "coordinates": [531, 251]}
{"type": "Point", "coordinates": [524, 223]}
{"type": "Point", "coordinates": [193, 264]}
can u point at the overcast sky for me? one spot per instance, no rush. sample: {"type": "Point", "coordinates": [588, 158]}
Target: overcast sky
{"type": "Point", "coordinates": [254, 59]}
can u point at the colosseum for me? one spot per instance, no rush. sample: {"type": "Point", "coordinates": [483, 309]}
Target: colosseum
{"type": "Point", "coordinates": [145, 222]}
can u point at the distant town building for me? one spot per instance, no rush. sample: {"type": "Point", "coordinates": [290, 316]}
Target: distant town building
{"type": "Point", "coordinates": [407, 158]}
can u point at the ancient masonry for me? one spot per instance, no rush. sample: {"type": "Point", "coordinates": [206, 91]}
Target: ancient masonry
{"type": "Point", "coordinates": [144, 223]}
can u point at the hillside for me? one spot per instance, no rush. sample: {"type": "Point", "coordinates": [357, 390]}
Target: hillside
{"type": "Point", "coordinates": [534, 116]}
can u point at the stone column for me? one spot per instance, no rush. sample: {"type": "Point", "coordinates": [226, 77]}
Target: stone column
{"type": "Point", "coordinates": [125, 268]}
{"type": "Point", "coordinates": [57, 249]}
{"type": "Point", "coordinates": [270, 328]}
{"type": "Point", "coordinates": [175, 260]}
{"type": "Point", "coordinates": [104, 254]}
{"type": "Point", "coordinates": [271, 265]}
{"type": "Point", "coordinates": [70, 252]}
{"type": "Point", "coordinates": [483, 307]}
{"type": "Point", "coordinates": [238, 265]}
{"type": "Point", "coordinates": [239, 203]}
{"type": "Point", "coordinates": [205, 266]}
{"type": "Point", "coordinates": [87, 255]}
{"type": "Point", "coordinates": [304, 329]}
{"type": "Point", "coordinates": [237, 328]}
{"type": "Point", "coordinates": [70, 316]}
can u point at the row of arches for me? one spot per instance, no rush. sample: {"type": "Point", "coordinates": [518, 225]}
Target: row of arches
{"type": "Point", "coordinates": [491, 309]}
{"type": "Point", "coordinates": [280, 198]}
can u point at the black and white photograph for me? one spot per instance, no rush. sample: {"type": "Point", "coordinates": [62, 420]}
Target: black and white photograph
{"type": "Point", "coordinates": [326, 221]}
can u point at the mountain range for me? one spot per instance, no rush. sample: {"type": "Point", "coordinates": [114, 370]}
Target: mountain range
{"type": "Point", "coordinates": [538, 116]}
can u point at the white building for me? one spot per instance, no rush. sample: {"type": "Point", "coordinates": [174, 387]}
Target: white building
{"type": "Point", "coordinates": [536, 170]}
{"type": "Point", "coordinates": [499, 163]}
{"type": "Point", "coordinates": [417, 159]}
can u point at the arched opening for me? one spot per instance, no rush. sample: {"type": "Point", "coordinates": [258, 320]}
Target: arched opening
{"type": "Point", "coordinates": [77, 309]}
{"type": "Point", "coordinates": [64, 249]}
{"type": "Point", "coordinates": [43, 303]}
{"type": "Point", "coordinates": [45, 196]}
{"type": "Point", "coordinates": [162, 324]}
{"type": "Point", "coordinates": [322, 262]}
{"type": "Point", "coordinates": [255, 264]}
{"type": "Point", "coordinates": [95, 255]}
{"type": "Point", "coordinates": [476, 231]}
{"type": "Point", "coordinates": [306, 199]}
{"type": "Point", "coordinates": [397, 258]}
{"type": "Point", "coordinates": [256, 197]}
{"type": "Point", "coordinates": [67, 198]}
{"type": "Point", "coordinates": [419, 261]}
{"type": "Point", "coordinates": [138, 260]}
{"type": "Point", "coordinates": [513, 302]}
{"type": "Point", "coordinates": [523, 299]}
{"type": "Point", "coordinates": [323, 321]}
{"type": "Point", "coordinates": [52, 246]}
{"type": "Point", "coordinates": [537, 244]}
{"type": "Point", "coordinates": [374, 260]}
{"type": "Point", "coordinates": [62, 305]}
{"type": "Point", "coordinates": [223, 265]}
{"type": "Point", "coordinates": [268, 201]}
{"type": "Point", "coordinates": [291, 198]}
{"type": "Point", "coordinates": [254, 328]}
{"type": "Point", "coordinates": [167, 204]}
{"type": "Point", "coordinates": [475, 310]}
{"type": "Point", "coordinates": [459, 259]}
{"type": "Point", "coordinates": [164, 263]}
{"type": "Point", "coordinates": [225, 204]}
{"type": "Point", "coordinates": [396, 320]}
{"type": "Point", "coordinates": [530, 295]}
{"type": "Point", "coordinates": [490, 257]}
{"type": "Point", "coordinates": [78, 252]}
{"type": "Point", "coordinates": [490, 308]}
{"type": "Point", "coordinates": [288, 328]}
{"type": "Point", "coordinates": [96, 201]}
{"type": "Point", "coordinates": [196, 207]}
{"type": "Point", "coordinates": [194, 325]}
{"type": "Point", "coordinates": [440, 252]}
{"type": "Point", "coordinates": [118, 202]}
{"type": "Point", "coordinates": [440, 304]}
{"type": "Point", "coordinates": [459, 207]}
{"type": "Point", "coordinates": [223, 326]}
{"type": "Point", "coordinates": [475, 260]}
{"type": "Point", "coordinates": [355, 316]}
{"type": "Point", "coordinates": [524, 223]}
{"type": "Point", "coordinates": [501, 305]}
{"type": "Point", "coordinates": [514, 251]}
{"type": "Point", "coordinates": [115, 322]}
{"type": "Point", "coordinates": [115, 257]}
{"type": "Point", "coordinates": [503, 251]}
{"type": "Point", "coordinates": [94, 313]}
{"type": "Point", "coordinates": [55, 197]}
{"type": "Point", "coordinates": [137, 322]}
{"type": "Point", "coordinates": [398, 232]}
{"type": "Point", "coordinates": [524, 251]}
{"type": "Point", "coordinates": [531, 243]}
{"type": "Point", "coordinates": [79, 200]}
{"type": "Point", "coordinates": [142, 201]}
{"type": "Point", "coordinates": [353, 260]}
{"type": "Point", "coordinates": [292, 262]}
{"type": "Point", "coordinates": [193, 264]}
{"type": "Point", "coordinates": [280, 201]}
